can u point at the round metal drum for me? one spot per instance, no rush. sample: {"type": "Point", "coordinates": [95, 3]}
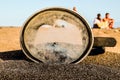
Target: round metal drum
{"type": "Point", "coordinates": [56, 35]}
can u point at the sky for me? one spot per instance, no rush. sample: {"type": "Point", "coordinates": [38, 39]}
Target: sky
{"type": "Point", "coordinates": [16, 12]}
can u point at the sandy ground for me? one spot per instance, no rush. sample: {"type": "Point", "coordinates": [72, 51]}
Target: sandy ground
{"type": "Point", "coordinates": [97, 66]}
{"type": "Point", "coordinates": [9, 39]}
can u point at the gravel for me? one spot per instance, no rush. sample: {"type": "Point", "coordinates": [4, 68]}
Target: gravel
{"type": "Point", "coordinates": [15, 66]}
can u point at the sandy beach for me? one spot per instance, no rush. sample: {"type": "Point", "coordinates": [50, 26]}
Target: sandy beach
{"type": "Point", "coordinates": [14, 64]}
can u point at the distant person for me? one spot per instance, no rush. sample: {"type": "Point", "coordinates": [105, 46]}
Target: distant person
{"type": "Point", "coordinates": [74, 9]}
{"type": "Point", "coordinates": [109, 21]}
{"type": "Point", "coordinates": [97, 21]}
{"type": "Point", "coordinates": [104, 24]}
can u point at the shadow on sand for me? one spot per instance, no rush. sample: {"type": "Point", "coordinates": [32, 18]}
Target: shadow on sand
{"type": "Point", "coordinates": [19, 55]}
{"type": "Point", "coordinates": [13, 55]}
{"type": "Point", "coordinates": [97, 51]}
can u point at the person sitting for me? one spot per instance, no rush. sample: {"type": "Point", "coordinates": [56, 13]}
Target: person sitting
{"type": "Point", "coordinates": [97, 21]}
{"type": "Point", "coordinates": [109, 21]}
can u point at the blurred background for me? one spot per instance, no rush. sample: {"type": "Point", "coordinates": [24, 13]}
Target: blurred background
{"type": "Point", "coordinates": [16, 12]}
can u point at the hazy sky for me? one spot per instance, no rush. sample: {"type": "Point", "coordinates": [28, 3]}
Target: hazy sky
{"type": "Point", "coordinates": [15, 12]}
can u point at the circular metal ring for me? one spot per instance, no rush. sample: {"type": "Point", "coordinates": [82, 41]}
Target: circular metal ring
{"type": "Point", "coordinates": [56, 35]}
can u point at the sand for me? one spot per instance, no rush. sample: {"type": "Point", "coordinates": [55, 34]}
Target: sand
{"type": "Point", "coordinates": [9, 39]}
{"type": "Point", "coordinates": [14, 64]}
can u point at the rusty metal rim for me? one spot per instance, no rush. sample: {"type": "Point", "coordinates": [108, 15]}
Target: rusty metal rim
{"type": "Point", "coordinates": [86, 52]}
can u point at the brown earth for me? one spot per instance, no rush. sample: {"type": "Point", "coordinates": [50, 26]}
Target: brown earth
{"type": "Point", "coordinates": [97, 66]}
{"type": "Point", "coordinates": [9, 39]}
